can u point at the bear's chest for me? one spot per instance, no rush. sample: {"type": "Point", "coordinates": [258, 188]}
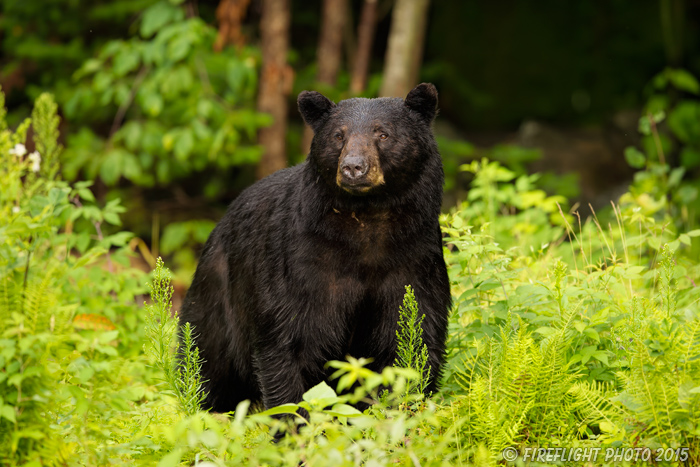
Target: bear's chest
{"type": "Point", "coordinates": [363, 237]}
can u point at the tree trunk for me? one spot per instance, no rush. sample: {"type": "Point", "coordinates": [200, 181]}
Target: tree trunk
{"type": "Point", "coordinates": [331, 41]}
{"type": "Point", "coordinates": [405, 49]}
{"type": "Point", "coordinates": [230, 14]}
{"type": "Point", "coordinates": [672, 13]}
{"type": "Point", "coordinates": [330, 51]}
{"type": "Point", "coordinates": [365, 40]}
{"type": "Point", "coordinates": [275, 84]}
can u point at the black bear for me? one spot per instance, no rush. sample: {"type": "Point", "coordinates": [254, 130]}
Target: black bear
{"type": "Point", "coordinates": [310, 264]}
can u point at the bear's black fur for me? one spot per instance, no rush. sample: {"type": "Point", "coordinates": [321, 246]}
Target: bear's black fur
{"type": "Point", "coordinates": [309, 264]}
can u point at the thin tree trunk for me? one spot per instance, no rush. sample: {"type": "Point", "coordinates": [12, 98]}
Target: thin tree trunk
{"type": "Point", "coordinates": [672, 13]}
{"type": "Point", "coordinates": [230, 14]}
{"type": "Point", "coordinates": [365, 40]}
{"type": "Point", "coordinates": [275, 84]}
{"type": "Point", "coordinates": [349, 39]}
{"type": "Point", "coordinates": [330, 51]}
{"type": "Point", "coordinates": [405, 49]}
{"type": "Point", "coordinates": [331, 41]}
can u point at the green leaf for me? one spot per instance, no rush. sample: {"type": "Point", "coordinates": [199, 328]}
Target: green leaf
{"type": "Point", "coordinates": [546, 331]}
{"type": "Point", "coordinates": [606, 427]}
{"type": "Point", "coordinates": [174, 236]}
{"type": "Point", "coordinates": [157, 16]}
{"type": "Point", "coordinates": [111, 167]}
{"type": "Point", "coordinates": [646, 121]}
{"type": "Point", "coordinates": [320, 391]}
{"type": "Point", "coordinates": [119, 238]}
{"type": "Point", "coordinates": [632, 272]}
{"type": "Point", "coordinates": [601, 356]}
{"type": "Point", "coordinates": [131, 134]}
{"type": "Point", "coordinates": [635, 158]}
{"type": "Point", "coordinates": [489, 284]}
{"type": "Point", "coordinates": [8, 412]}
{"type": "Point", "coordinates": [172, 459]}
{"type": "Point", "coordinates": [593, 334]}
{"type": "Point", "coordinates": [683, 121]}
{"type": "Point", "coordinates": [112, 218]}
{"type": "Point", "coordinates": [153, 104]}
{"type": "Point", "coordinates": [86, 194]}
{"type": "Point", "coordinates": [107, 337]}
{"type": "Point", "coordinates": [343, 410]}
{"type": "Point", "coordinates": [184, 143]}
{"type": "Point", "coordinates": [683, 80]}
{"type": "Point", "coordinates": [281, 409]}
{"type": "Point", "coordinates": [179, 48]}
{"type": "Point", "coordinates": [88, 257]}
{"type": "Point", "coordinates": [126, 60]}
{"type": "Point", "coordinates": [132, 167]}
{"type": "Point", "coordinates": [654, 243]}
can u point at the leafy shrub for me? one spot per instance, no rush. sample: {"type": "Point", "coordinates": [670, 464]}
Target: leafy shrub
{"type": "Point", "coordinates": [44, 282]}
{"type": "Point", "coordinates": [163, 116]}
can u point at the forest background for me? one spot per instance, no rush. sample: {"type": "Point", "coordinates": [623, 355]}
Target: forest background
{"type": "Point", "coordinates": [570, 137]}
{"type": "Point", "coordinates": [174, 106]}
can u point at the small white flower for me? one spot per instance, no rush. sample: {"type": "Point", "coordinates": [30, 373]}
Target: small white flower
{"type": "Point", "coordinates": [19, 150]}
{"type": "Point", "coordinates": [15, 209]}
{"type": "Point", "coordinates": [35, 159]}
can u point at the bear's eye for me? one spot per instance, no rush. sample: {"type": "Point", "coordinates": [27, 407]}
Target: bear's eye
{"type": "Point", "coordinates": [338, 136]}
{"type": "Point", "coordinates": [383, 136]}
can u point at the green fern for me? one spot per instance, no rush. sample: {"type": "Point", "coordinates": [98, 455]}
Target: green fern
{"type": "Point", "coordinates": [659, 393]}
{"type": "Point", "coordinates": [668, 290]}
{"type": "Point", "coordinates": [411, 352]}
{"type": "Point", "coordinates": [188, 373]}
{"type": "Point", "coordinates": [45, 122]}
{"type": "Point", "coordinates": [181, 365]}
{"type": "Point", "coordinates": [520, 391]}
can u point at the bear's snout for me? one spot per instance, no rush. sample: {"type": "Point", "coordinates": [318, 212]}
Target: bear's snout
{"type": "Point", "coordinates": [358, 167]}
{"type": "Point", "coordinates": [354, 168]}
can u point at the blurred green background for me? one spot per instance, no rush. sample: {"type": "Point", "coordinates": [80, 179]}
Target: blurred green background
{"type": "Point", "coordinates": [162, 100]}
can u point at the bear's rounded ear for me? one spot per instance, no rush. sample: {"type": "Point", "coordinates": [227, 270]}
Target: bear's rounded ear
{"type": "Point", "coordinates": [313, 107]}
{"type": "Point", "coordinates": [423, 99]}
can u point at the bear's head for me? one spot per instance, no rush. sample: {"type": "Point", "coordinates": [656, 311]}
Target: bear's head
{"type": "Point", "coordinates": [366, 146]}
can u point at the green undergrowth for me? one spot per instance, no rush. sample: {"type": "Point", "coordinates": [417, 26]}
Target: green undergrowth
{"type": "Point", "coordinates": [565, 332]}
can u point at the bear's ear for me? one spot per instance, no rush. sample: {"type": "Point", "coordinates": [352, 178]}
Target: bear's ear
{"type": "Point", "coordinates": [313, 106]}
{"type": "Point", "coordinates": [423, 99]}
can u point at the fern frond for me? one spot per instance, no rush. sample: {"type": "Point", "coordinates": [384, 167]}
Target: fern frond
{"type": "Point", "coordinates": [411, 352]}
{"type": "Point", "coordinates": [39, 299]}
{"type": "Point", "coordinates": [45, 123]}
{"type": "Point", "coordinates": [10, 298]}
{"type": "Point", "coordinates": [190, 386]}
{"type": "Point", "coordinates": [691, 337]}
{"type": "Point", "coordinates": [595, 404]}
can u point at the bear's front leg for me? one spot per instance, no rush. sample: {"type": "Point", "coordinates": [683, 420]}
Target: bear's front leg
{"type": "Point", "coordinates": [280, 376]}
{"type": "Point", "coordinates": [290, 354]}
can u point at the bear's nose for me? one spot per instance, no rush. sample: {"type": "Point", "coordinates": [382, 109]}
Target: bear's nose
{"type": "Point", "coordinates": [354, 167]}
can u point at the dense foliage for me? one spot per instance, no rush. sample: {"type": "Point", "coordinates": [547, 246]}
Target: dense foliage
{"type": "Point", "coordinates": [565, 332]}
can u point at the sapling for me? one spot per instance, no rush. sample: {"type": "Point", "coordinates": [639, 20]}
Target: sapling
{"type": "Point", "coordinates": [181, 364]}
{"type": "Point", "coordinates": [411, 352]}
